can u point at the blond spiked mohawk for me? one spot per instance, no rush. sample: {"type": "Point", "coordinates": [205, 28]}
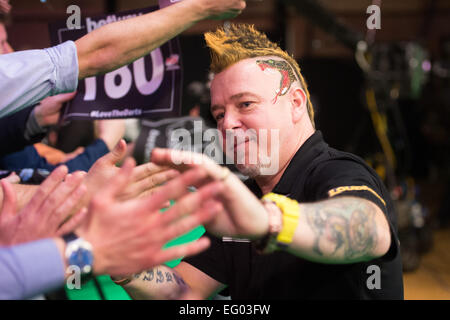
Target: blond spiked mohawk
{"type": "Point", "coordinates": [237, 42]}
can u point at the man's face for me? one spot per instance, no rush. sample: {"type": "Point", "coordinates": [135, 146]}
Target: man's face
{"type": "Point", "coordinates": [250, 99]}
{"type": "Point", "coordinates": [4, 45]}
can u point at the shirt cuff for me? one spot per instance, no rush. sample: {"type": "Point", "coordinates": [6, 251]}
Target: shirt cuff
{"type": "Point", "coordinates": [65, 60]}
{"type": "Point", "coordinates": [42, 267]}
{"type": "Point", "coordinates": [33, 128]}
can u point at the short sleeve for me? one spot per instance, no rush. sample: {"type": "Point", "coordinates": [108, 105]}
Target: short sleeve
{"type": "Point", "coordinates": [346, 177]}
{"type": "Point", "coordinates": [29, 269]}
{"type": "Point", "coordinates": [334, 178]}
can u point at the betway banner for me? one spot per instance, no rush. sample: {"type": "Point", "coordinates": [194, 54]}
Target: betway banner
{"type": "Point", "coordinates": [150, 87]}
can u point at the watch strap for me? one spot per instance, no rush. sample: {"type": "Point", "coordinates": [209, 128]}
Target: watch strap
{"type": "Point", "coordinates": [69, 237]}
{"type": "Point", "coordinates": [291, 213]}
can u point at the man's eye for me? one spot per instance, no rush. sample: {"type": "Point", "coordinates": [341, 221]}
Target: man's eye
{"type": "Point", "coordinates": [246, 104]}
{"type": "Point", "coordinates": [219, 116]}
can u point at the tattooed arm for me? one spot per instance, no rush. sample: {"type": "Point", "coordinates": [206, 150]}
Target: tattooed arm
{"type": "Point", "coordinates": [341, 230]}
{"type": "Point", "coordinates": [162, 282]}
{"type": "Point", "coordinates": [158, 283]}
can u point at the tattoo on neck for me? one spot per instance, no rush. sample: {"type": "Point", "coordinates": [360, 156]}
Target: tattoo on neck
{"type": "Point", "coordinates": [287, 75]}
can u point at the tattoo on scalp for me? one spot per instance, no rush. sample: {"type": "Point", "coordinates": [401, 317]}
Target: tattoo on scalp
{"type": "Point", "coordinates": [287, 74]}
{"type": "Point", "coordinates": [349, 224]}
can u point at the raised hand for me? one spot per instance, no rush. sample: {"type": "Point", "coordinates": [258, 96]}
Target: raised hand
{"type": "Point", "coordinates": [144, 179]}
{"type": "Point", "coordinates": [110, 131]}
{"type": "Point", "coordinates": [47, 214]}
{"type": "Point", "coordinates": [128, 236]}
{"type": "Point", "coordinates": [241, 213]}
{"type": "Point", "coordinates": [47, 112]}
{"type": "Point", "coordinates": [5, 6]}
{"type": "Point", "coordinates": [222, 9]}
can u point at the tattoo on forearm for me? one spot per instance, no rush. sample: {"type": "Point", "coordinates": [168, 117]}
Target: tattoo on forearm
{"type": "Point", "coordinates": [348, 224]}
{"type": "Point", "coordinates": [149, 275]}
{"type": "Point", "coordinates": [158, 276]}
{"type": "Point", "coordinates": [179, 280]}
{"type": "Point", "coordinates": [159, 282]}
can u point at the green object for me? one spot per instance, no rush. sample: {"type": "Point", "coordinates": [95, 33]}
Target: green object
{"type": "Point", "coordinates": [186, 238]}
{"type": "Point", "coordinates": [89, 290]}
{"type": "Point", "coordinates": [110, 290]}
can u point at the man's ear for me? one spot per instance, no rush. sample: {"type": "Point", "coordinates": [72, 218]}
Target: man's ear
{"type": "Point", "coordinates": [298, 102]}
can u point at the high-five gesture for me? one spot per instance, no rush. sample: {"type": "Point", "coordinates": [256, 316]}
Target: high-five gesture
{"type": "Point", "coordinates": [242, 214]}
{"type": "Point", "coordinates": [49, 212]}
{"type": "Point", "coordinates": [128, 236]}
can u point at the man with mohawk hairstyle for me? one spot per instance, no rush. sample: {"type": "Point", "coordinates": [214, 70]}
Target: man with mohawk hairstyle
{"type": "Point", "coordinates": [239, 42]}
{"type": "Point", "coordinates": [325, 226]}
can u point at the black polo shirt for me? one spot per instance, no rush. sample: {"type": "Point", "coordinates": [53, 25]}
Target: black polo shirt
{"type": "Point", "coordinates": [315, 173]}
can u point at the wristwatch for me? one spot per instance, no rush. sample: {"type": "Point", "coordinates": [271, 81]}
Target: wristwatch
{"type": "Point", "coordinates": [79, 253]}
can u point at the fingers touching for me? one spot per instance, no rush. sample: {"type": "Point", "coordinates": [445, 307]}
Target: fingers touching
{"type": "Point", "coordinates": [9, 200]}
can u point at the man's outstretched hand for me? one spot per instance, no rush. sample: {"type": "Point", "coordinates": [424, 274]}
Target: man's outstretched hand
{"type": "Point", "coordinates": [144, 179]}
{"type": "Point", "coordinates": [222, 9]}
{"type": "Point", "coordinates": [5, 6]}
{"type": "Point", "coordinates": [47, 214]}
{"type": "Point", "coordinates": [129, 236]}
{"type": "Point", "coordinates": [47, 112]}
{"type": "Point", "coordinates": [241, 214]}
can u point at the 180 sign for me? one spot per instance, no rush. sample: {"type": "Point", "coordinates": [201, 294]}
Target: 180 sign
{"type": "Point", "coordinates": [118, 89]}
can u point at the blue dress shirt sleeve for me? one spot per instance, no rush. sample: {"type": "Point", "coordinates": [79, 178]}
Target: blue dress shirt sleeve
{"type": "Point", "coordinates": [30, 269]}
{"type": "Point", "coordinates": [27, 77]}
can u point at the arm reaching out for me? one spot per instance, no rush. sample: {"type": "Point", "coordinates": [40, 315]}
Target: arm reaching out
{"type": "Point", "coordinates": [117, 44]}
{"type": "Point", "coordinates": [128, 236]}
{"type": "Point", "coordinates": [338, 230]}
{"type": "Point", "coordinates": [184, 282]}
{"type": "Point", "coordinates": [342, 230]}
{"type": "Point", "coordinates": [47, 211]}
{"type": "Point", "coordinates": [30, 76]}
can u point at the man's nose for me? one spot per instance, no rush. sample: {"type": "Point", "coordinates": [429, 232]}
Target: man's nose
{"type": "Point", "coordinates": [231, 120]}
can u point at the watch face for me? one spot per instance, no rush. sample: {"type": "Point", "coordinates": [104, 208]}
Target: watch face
{"type": "Point", "coordinates": [79, 253]}
{"type": "Point", "coordinates": [83, 259]}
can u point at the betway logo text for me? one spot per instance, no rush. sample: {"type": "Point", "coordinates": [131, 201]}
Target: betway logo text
{"type": "Point", "coordinates": [93, 24]}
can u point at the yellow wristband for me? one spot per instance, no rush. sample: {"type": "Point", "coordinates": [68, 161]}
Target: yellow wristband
{"type": "Point", "coordinates": [291, 214]}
